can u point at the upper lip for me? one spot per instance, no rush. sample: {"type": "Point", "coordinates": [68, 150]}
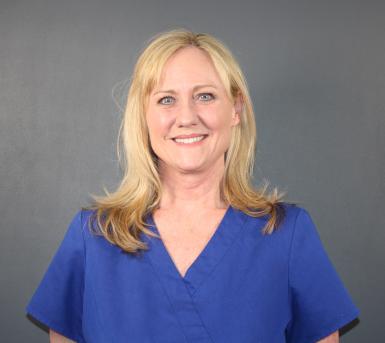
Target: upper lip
{"type": "Point", "coordinates": [192, 135]}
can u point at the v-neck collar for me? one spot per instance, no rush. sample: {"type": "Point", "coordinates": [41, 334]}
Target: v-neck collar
{"type": "Point", "coordinates": [225, 233]}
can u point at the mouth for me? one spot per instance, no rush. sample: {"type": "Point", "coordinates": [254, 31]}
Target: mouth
{"type": "Point", "coordinates": [190, 141]}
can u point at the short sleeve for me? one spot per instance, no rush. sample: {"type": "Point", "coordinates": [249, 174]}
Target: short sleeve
{"type": "Point", "coordinates": [58, 300]}
{"type": "Point", "coordinates": [320, 303]}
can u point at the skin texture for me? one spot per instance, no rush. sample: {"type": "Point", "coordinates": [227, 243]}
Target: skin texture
{"type": "Point", "coordinates": [333, 338]}
{"type": "Point", "coordinates": [190, 174]}
{"type": "Point", "coordinates": [54, 337]}
{"type": "Point", "coordinates": [185, 245]}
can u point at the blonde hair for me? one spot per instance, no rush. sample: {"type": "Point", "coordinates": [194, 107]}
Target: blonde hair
{"type": "Point", "coordinates": [121, 215]}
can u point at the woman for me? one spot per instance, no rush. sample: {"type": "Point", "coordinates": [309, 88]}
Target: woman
{"type": "Point", "coordinates": [186, 250]}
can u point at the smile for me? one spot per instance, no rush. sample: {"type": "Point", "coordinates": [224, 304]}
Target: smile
{"type": "Point", "coordinates": [189, 140]}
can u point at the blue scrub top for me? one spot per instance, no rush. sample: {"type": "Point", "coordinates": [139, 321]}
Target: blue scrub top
{"type": "Point", "coordinates": [244, 287]}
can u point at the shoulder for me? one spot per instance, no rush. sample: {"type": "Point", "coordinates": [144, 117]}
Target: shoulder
{"type": "Point", "coordinates": [290, 214]}
{"type": "Point", "coordinates": [296, 226]}
{"type": "Point", "coordinates": [87, 219]}
{"type": "Point", "coordinates": [80, 224]}
{"type": "Point", "coordinates": [281, 238]}
{"type": "Point", "coordinates": [85, 214]}
{"type": "Point", "coordinates": [294, 217]}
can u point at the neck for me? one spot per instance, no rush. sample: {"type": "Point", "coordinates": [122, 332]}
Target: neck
{"type": "Point", "coordinates": [183, 191]}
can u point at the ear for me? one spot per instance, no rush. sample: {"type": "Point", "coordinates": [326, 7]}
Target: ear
{"type": "Point", "coordinates": [238, 107]}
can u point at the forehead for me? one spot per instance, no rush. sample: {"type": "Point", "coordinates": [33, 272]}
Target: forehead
{"type": "Point", "coordinates": [189, 65]}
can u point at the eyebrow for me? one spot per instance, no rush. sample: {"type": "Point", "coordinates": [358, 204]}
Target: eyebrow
{"type": "Point", "coordinates": [194, 89]}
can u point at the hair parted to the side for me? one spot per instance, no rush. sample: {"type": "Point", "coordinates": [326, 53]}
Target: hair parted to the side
{"type": "Point", "coordinates": [120, 216]}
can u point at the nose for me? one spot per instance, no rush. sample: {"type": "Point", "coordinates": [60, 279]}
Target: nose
{"type": "Point", "coordinates": [186, 113]}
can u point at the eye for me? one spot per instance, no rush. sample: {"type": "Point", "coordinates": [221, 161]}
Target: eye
{"type": "Point", "coordinates": [168, 102]}
{"type": "Point", "coordinates": [206, 96]}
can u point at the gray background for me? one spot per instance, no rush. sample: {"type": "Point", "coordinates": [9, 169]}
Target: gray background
{"type": "Point", "coordinates": [316, 76]}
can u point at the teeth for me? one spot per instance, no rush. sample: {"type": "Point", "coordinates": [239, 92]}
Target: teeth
{"type": "Point", "coordinates": [189, 140]}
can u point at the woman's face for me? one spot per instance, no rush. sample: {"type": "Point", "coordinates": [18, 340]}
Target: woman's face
{"type": "Point", "coordinates": [190, 101]}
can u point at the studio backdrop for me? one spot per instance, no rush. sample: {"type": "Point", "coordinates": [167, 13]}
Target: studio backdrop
{"type": "Point", "coordinates": [316, 74]}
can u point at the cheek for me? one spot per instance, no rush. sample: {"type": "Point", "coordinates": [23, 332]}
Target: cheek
{"type": "Point", "coordinates": [157, 123]}
{"type": "Point", "coordinates": [219, 119]}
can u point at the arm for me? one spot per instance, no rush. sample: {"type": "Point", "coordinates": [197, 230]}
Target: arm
{"type": "Point", "coordinates": [333, 338]}
{"type": "Point", "coordinates": [55, 337]}
{"type": "Point", "coordinates": [320, 302]}
{"type": "Point", "coordinates": [58, 301]}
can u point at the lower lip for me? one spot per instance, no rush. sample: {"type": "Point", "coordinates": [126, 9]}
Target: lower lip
{"type": "Point", "coordinates": [190, 144]}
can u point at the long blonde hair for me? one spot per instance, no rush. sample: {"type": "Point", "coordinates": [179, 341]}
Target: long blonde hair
{"type": "Point", "coordinates": [121, 215]}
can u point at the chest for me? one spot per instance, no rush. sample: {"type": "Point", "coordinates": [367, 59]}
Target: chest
{"type": "Point", "coordinates": [185, 238]}
{"type": "Point", "coordinates": [229, 276]}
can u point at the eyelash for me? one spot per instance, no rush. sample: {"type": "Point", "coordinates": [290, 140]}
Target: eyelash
{"type": "Point", "coordinates": [211, 95]}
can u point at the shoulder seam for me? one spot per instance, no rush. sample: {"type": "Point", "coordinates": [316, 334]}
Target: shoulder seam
{"type": "Point", "coordinates": [84, 243]}
{"type": "Point", "coordinates": [291, 249]}
{"type": "Point", "coordinates": [84, 259]}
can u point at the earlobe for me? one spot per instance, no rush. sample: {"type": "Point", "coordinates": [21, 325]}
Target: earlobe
{"type": "Point", "coordinates": [238, 108]}
{"type": "Point", "coordinates": [235, 119]}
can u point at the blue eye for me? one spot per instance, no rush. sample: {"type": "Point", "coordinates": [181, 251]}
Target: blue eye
{"type": "Point", "coordinates": [167, 100]}
{"type": "Point", "coordinates": [164, 103]}
{"type": "Point", "coordinates": [210, 96]}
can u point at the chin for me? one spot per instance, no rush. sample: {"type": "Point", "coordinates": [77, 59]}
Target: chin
{"type": "Point", "coordinates": [189, 168]}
